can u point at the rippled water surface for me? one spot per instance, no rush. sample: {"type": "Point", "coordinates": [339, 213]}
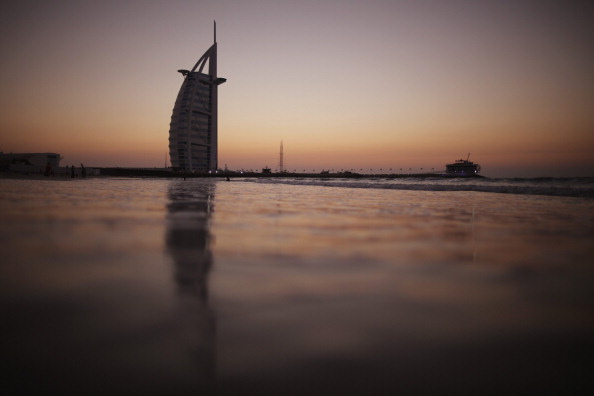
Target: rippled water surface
{"type": "Point", "coordinates": [251, 286]}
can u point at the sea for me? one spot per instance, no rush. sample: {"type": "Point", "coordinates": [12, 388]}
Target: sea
{"type": "Point", "coordinates": [301, 286]}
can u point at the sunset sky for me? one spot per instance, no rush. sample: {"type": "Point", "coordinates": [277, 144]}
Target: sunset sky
{"type": "Point", "coordinates": [344, 84]}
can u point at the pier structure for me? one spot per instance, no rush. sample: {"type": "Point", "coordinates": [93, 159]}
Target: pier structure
{"type": "Point", "coordinates": [193, 132]}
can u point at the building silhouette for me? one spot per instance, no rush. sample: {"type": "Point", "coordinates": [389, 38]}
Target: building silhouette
{"type": "Point", "coordinates": [193, 140]}
{"type": "Point", "coordinates": [28, 162]}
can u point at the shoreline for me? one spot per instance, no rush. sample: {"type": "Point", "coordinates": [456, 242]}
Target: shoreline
{"type": "Point", "coordinates": [224, 174]}
{"type": "Point", "coordinates": [157, 173]}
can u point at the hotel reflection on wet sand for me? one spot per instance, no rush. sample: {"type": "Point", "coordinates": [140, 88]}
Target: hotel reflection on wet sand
{"type": "Point", "coordinates": [188, 243]}
{"type": "Point", "coordinates": [130, 286]}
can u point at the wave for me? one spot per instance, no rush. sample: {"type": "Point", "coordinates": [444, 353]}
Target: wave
{"type": "Point", "coordinates": [564, 187]}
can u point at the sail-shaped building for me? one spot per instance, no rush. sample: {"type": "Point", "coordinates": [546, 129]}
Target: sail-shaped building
{"type": "Point", "coordinates": [193, 140]}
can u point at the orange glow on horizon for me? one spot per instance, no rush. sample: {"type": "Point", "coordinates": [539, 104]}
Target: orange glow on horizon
{"type": "Point", "coordinates": [356, 87]}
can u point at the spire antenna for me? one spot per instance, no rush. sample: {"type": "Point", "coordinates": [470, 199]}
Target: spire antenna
{"type": "Point", "coordinates": [215, 31]}
{"type": "Point", "coordinates": [282, 169]}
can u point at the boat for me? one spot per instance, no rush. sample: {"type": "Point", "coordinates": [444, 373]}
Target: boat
{"type": "Point", "coordinates": [463, 167]}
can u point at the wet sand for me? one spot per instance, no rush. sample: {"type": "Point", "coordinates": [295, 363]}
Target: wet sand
{"type": "Point", "coordinates": [201, 286]}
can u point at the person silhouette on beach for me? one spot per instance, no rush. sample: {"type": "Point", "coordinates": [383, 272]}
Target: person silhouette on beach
{"type": "Point", "coordinates": [48, 169]}
{"type": "Point", "coordinates": [83, 171]}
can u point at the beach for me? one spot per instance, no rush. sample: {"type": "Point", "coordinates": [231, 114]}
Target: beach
{"type": "Point", "coordinates": [255, 286]}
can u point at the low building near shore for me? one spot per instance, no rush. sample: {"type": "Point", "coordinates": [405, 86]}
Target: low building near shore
{"type": "Point", "coordinates": [29, 162]}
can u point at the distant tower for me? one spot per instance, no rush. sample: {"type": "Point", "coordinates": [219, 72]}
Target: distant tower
{"type": "Point", "coordinates": [281, 157]}
{"type": "Point", "coordinates": [193, 132]}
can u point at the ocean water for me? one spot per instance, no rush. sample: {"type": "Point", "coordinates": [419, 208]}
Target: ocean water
{"type": "Point", "coordinates": [297, 286]}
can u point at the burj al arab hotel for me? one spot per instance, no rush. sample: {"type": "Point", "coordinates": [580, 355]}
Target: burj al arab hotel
{"type": "Point", "coordinates": [193, 130]}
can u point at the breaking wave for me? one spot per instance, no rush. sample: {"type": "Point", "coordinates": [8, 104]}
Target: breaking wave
{"type": "Point", "coordinates": [565, 187]}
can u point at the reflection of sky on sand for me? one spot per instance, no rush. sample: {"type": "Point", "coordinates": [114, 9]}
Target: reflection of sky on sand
{"type": "Point", "coordinates": [140, 286]}
{"type": "Point", "coordinates": [91, 305]}
{"type": "Point", "coordinates": [401, 290]}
